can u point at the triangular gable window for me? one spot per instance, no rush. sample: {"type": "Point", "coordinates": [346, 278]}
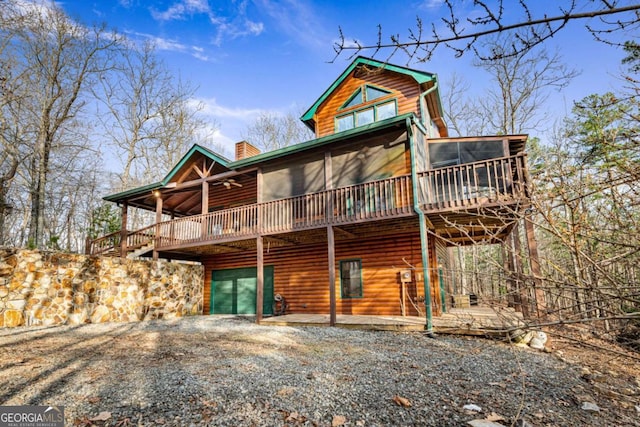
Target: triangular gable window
{"type": "Point", "coordinates": [370, 93]}
{"type": "Point", "coordinates": [354, 100]}
{"type": "Point", "coordinates": [375, 93]}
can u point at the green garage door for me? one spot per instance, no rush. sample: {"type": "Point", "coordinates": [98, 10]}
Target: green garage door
{"type": "Point", "coordinates": [233, 291]}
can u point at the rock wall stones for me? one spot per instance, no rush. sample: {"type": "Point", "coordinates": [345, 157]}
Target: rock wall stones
{"type": "Point", "coordinates": [45, 288]}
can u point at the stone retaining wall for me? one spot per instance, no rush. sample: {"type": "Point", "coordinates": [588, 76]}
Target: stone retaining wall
{"type": "Point", "coordinates": [45, 288]}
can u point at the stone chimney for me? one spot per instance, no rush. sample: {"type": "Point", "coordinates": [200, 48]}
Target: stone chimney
{"type": "Point", "coordinates": [244, 150]}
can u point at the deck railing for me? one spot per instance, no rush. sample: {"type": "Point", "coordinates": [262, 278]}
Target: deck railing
{"type": "Point", "coordinates": [470, 185]}
{"type": "Point", "coordinates": [107, 244]}
{"type": "Point", "coordinates": [362, 202]}
{"type": "Point", "coordinates": [372, 200]}
{"type": "Point", "coordinates": [142, 237]}
{"type": "Point", "coordinates": [111, 243]}
{"type": "Point", "coordinates": [379, 199]}
{"type": "Point", "coordinates": [235, 222]}
{"type": "Point", "coordinates": [462, 186]}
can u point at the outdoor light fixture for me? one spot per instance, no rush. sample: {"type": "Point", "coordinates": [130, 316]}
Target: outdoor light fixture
{"type": "Point", "coordinates": [156, 193]}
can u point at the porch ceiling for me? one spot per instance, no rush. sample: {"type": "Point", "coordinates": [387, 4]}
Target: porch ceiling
{"type": "Point", "coordinates": [457, 228]}
{"type": "Point", "coordinates": [488, 225]}
{"type": "Point", "coordinates": [187, 201]}
{"type": "Point", "coordinates": [389, 228]}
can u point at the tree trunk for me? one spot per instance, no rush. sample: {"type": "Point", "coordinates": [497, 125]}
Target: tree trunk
{"type": "Point", "coordinates": [5, 181]}
{"type": "Point", "coordinates": [40, 166]}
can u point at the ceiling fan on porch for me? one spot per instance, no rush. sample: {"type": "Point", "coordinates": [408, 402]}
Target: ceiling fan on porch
{"type": "Point", "coordinates": [228, 183]}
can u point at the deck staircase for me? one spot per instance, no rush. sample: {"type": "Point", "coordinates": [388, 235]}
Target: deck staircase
{"type": "Point", "coordinates": [140, 251]}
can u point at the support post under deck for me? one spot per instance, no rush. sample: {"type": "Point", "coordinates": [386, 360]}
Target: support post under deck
{"type": "Point", "coordinates": [259, 278]}
{"type": "Point", "coordinates": [536, 272]}
{"type": "Point", "coordinates": [332, 275]}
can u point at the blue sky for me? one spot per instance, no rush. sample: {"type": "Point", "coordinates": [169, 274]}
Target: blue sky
{"type": "Point", "coordinates": [249, 56]}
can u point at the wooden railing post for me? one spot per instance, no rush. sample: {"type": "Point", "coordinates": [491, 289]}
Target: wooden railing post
{"type": "Point", "coordinates": [123, 230]}
{"type": "Point", "coordinates": [259, 190]}
{"type": "Point", "coordinates": [523, 175]}
{"type": "Point", "coordinates": [156, 242]}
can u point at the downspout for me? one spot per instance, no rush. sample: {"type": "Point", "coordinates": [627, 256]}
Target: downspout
{"type": "Point", "coordinates": [423, 105]}
{"type": "Point", "coordinates": [423, 232]}
{"type": "Point", "coordinates": [422, 220]}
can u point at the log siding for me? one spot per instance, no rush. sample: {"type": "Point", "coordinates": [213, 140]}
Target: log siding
{"type": "Point", "coordinates": [404, 90]}
{"type": "Point", "coordinates": [301, 274]}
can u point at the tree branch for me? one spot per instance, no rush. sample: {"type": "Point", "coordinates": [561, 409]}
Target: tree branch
{"type": "Point", "coordinates": [525, 42]}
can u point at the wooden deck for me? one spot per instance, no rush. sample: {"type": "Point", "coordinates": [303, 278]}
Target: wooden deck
{"type": "Point", "coordinates": [478, 321]}
{"type": "Point", "coordinates": [480, 185]}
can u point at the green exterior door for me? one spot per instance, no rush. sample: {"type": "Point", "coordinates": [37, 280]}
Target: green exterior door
{"type": "Point", "coordinates": [233, 291]}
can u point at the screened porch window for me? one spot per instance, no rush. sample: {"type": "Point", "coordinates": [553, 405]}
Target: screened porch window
{"type": "Point", "coordinates": [455, 181]}
{"type": "Point", "coordinates": [444, 154]}
{"type": "Point", "coordinates": [351, 278]}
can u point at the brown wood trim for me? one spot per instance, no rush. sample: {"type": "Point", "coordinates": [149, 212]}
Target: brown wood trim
{"type": "Point", "coordinates": [480, 138]}
{"type": "Point", "coordinates": [194, 183]}
{"type": "Point", "coordinates": [205, 198]}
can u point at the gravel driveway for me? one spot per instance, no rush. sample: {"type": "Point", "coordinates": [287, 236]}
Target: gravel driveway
{"type": "Point", "coordinates": [227, 371]}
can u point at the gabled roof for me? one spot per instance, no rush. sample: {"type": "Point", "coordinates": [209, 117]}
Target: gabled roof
{"type": "Point", "coordinates": [419, 76]}
{"type": "Point", "coordinates": [196, 149]}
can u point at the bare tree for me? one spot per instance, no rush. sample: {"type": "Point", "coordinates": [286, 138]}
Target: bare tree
{"type": "Point", "coordinates": [149, 117]}
{"type": "Point", "coordinates": [515, 100]}
{"type": "Point", "coordinates": [58, 60]}
{"type": "Point", "coordinates": [271, 131]}
{"type": "Point", "coordinates": [522, 84]}
{"type": "Point", "coordinates": [528, 29]}
{"type": "Point", "coordinates": [179, 127]}
{"type": "Point", "coordinates": [14, 146]}
{"type": "Point", "coordinates": [512, 104]}
{"type": "Point", "coordinates": [587, 201]}
{"type": "Point", "coordinates": [74, 188]}
{"type": "Point", "coordinates": [461, 111]}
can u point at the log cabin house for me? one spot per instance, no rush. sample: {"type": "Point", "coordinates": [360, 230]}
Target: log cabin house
{"type": "Point", "coordinates": [355, 221]}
